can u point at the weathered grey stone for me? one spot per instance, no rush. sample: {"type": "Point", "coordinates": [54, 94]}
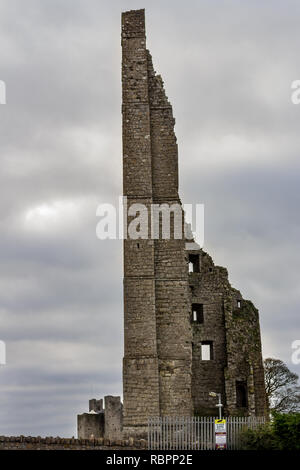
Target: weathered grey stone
{"type": "Point", "coordinates": [90, 425]}
{"type": "Point", "coordinates": [113, 417]}
{"type": "Point", "coordinates": [96, 405]}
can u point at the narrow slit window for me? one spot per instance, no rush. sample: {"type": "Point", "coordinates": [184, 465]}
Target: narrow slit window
{"type": "Point", "coordinates": [197, 313]}
{"type": "Point", "coordinates": [241, 394]}
{"type": "Point", "coordinates": [206, 351]}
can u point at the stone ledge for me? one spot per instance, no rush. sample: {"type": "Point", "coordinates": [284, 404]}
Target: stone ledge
{"type": "Point", "coordinates": [40, 443]}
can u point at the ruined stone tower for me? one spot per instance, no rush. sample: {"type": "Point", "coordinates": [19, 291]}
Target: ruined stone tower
{"type": "Point", "coordinates": [187, 331]}
{"type": "Point", "coordinates": [157, 367]}
{"type": "Point", "coordinates": [186, 334]}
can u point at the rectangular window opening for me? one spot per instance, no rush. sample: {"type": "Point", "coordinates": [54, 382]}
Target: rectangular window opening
{"type": "Point", "coordinates": [197, 313]}
{"type": "Point", "coordinates": [194, 264]}
{"type": "Point", "coordinates": [206, 350]}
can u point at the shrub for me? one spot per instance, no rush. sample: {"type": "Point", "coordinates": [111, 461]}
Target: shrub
{"type": "Point", "coordinates": [282, 433]}
{"type": "Point", "coordinates": [259, 439]}
{"type": "Point", "coordinates": [286, 429]}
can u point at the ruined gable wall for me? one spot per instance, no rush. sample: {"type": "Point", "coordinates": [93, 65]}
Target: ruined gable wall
{"type": "Point", "coordinates": [232, 324]}
{"type": "Point", "coordinates": [244, 355]}
{"type": "Point", "coordinates": [208, 376]}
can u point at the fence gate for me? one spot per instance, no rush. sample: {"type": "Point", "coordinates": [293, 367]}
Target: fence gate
{"type": "Point", "coordinates": [195, 433]}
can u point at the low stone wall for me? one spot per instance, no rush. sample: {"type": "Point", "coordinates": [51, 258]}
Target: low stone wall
{"type": "Point", "coordinates": [59, 443]}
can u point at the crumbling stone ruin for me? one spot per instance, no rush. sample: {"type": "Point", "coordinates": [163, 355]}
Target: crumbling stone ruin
{"type": "Point", "coordinates": [101, 422]}
{"type": "Point", "coordinates": [187, 331]}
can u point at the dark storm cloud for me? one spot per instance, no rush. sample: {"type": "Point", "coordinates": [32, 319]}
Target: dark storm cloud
{"type": "Point", "coordinates": [228, 68]}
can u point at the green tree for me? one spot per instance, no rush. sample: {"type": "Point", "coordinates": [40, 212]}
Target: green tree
{"type": "Point", "coordinates": [282, 389]}
{"type": "Point", "coordinates": [282, 433]}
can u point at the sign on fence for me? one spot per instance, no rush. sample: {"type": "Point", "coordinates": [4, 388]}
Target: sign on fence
{"type": "Point", "coordinates": [220, 434]}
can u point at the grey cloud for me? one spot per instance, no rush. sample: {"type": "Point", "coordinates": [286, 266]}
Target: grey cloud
{"type": "Point", "coordinates": [227, 67]}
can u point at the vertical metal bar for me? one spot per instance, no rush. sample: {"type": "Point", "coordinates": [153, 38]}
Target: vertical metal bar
{"type": "Point", "coordinates": [233, 432]}
{"type": "Point", "coordinates": [153, 433]}
{"type": "Point", "coordinates": [166, 432]}
{"type": "Point", "coordinates": [158, 433]}
{"type": "Point", "coordinates": [228, 433]}
{"type": "Point", "coordinates": [188, 428]}
{"type": "Point", "coordinates": [180, 433]}
{"type": "Point", "coordinates": [187, 432]}
{"type": "Point", "coordinates": [201, 433]}
{"type": "Point", "coordinates": [206, 434]}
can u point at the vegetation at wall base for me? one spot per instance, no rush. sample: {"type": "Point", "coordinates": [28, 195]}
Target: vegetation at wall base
{"type": "Point", "coordinates": [281, 433]}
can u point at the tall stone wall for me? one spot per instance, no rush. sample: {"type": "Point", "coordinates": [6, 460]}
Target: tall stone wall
{"type": "Point", "coordinates": [158, 350]}
{"type": "Point", "coordinates": [140, 363]}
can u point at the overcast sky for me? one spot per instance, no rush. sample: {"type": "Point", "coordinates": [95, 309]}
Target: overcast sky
{"type": "Point", "coordinates": [227, 68]}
